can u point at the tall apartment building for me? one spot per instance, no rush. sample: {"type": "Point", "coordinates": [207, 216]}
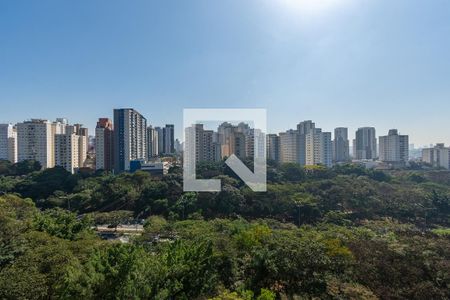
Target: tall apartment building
{"type": "Point", "coordinates": [303, 129]}
{"type": "Point", "coordinates": [438, 156]}
{"type": "Point", "coordinates": [365, 144]}
{"type": "Point", "coordinates": [70, 145]}
{"type": "Point", "coordinates": [290, 147]}
{"type": "Point", "coordinates": [318, 148]}
{"type": "Point", "coordinates": [255, 145]}
{"type": "Point", "coordinates": [130, 138]}
{"type": "Point", "coordinates": [160, 135]}
{"type": "Point", "coordinates": [8, 143]}
{"type": "Point", "coordinates": [152, 142]}
{"type": "Point", "coordinates": [203, 142]}
{"type": "Point", "coordinates": [234, 139]}
{"type": "Point", "coordinates": [307, 145]}
{"type": "Point", "coordinates": [169, 139]}
{"type": "Point", "coordinates": [273, 147]}
{"type": "Point", "coordinates": [104, 145]}
{"type": "Point", "coordinates": [35, 141]}
{"type": "Point", "coordinates": [224, 131]}
{"type": "Point", "coordinates": [67, 150]}
{"type": "Point", "coordinates": [83, 142]}
{"type": "Point", "coordinates": [394, 148]}
{"type": "Point", "coordinates": [341, 145]}
{"type": "Point", "coordinates": [306, 127]}
{"type": "Point", "coordinates": [234, 144]}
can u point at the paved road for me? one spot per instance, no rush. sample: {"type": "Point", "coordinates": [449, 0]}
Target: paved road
{"type": "Point", "coordinates": [121, 229]}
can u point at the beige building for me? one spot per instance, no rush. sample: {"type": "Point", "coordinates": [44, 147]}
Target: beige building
{"type": "Point", "coordinates": [71, 146]}
{"type": "Point", "coordinates": [438, 156]}
{"type": "Point", "coordinates": [52, 143]}
{"type": "Point", "coordinates": [394, 148]}
{"type": "Point", "coordinates": [104, 151]}
{"type": "Point", "coordinates": [83, 143]}
{"type": "Point", "coordinates": [232, 139]}
{"type": "Point", "coordinates": [67, 151]}
{"type": "Point", "coordinates": [318, 148]}
{"type": "Point", "coordinates": [289, 147]}
{"type": "Point", "coordinates": [205, 142]}
{"type": "Point", "coordinates": [306, 146]}
{"type": "Point", "coordinates": [35, 141]}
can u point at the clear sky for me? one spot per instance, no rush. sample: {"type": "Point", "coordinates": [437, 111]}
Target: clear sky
{"type": "Point", "coordinates": [353, 63]}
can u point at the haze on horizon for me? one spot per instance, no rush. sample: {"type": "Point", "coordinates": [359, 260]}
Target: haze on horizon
{"type": "Point", "coordinates": [350, 63]}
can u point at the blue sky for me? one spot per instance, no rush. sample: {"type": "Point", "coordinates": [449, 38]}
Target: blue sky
{"type": "Point", "coordinates": [350, 63]}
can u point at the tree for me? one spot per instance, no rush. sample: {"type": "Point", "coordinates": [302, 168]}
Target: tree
{"type": "Point", "coordinates": [62, 223]}
{"type": "Point", "coordinates": [25, 167]}
{"type": "Point", "coordinates": [186, 204]}
{"type": "Point", "coordinates": [292, 172]}
{"type": "Point", "coordinates": [16, 217]}
{"type": "Point", "coordinates": [5, 167]}
{"type": "Point", "coordinates": [113, 218]}
{"type": "Point", "coordinates": [42, 270]}
{"type": "Point", "coordinates": [307, 208]}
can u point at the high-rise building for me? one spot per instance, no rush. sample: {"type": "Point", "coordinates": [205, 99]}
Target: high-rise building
{"type": "Point", "coordinates": [318, 148]}
{"type": "Point", "coordinates": [341, 145]}
{"type": "Point", "coordinates": [83, 143]}
{"type": "Point", "coordinates": [8, 143]}
{"type": "Point", "coordinates": [306, 127]}
{"type": "Point", "coordinates": [152, 142]}
{"type": "Point", "coordinates": [273, 147]}
{"type": "Point", "coordinates": [210, 148]}
{"type": "Point", "coordinates": [224, 131]}
{"type": "Point", "coordinates": [104, 145]}
{"type": "Point", "coordinates": [234, 144]}
{"type": "Point", "coordinates": [255, 145]}
{"type": "Point", "coordinates": [70, 145]}
{"type": "Point", "coordinates": [130, 138]}
{"type": "Point", "coordinates": [437, 156]}
{"type": "Point", "coordinates": [204, 142]}
{"type": "Point", "coordinates": [67, 150]}
{"type": "Point", "coordinates": [169, 139]}
{"type": "Point", "coordinates": [160, 135]}
{"type": "Point", "coordinates": [234, 140]}
{"type": "Point", "coordinates": [394, 148]}
{"type": "Point", "coordinates": [289, 147]}
{"type": "Point", "coordinates": [35, 141]}
{"type": "Point", "coordinates": [303, 129]}
{"type": "Point", "coordinates": [307, 145]}
{"type": "Point", "coordinates": [365, 144]}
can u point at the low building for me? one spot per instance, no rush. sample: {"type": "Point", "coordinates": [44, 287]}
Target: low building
{"type": "Point", "coordinates": [154, 168]}
{"type": "Point", "coordinates": [438, 156]}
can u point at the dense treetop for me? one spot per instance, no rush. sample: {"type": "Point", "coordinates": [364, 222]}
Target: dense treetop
{"type": "Point", "coordinates": [340, 233]}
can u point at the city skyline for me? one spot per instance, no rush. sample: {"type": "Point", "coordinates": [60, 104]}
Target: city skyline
{"type": "Point", "coordinates": [214, 125]}
{"type": "Point", "coordinates": [341, 63]}
{"type": "Point", "coordinates": [128, 143]}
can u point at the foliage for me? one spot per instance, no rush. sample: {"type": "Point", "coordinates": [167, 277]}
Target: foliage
{"type": "Point", "coordinates": [61, 223]}
{"type": "Point", "coordinates": [318, 233]}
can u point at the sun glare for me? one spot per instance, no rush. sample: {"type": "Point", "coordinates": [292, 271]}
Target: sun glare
{"type": "Point", "coordinates": [311, 6]}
